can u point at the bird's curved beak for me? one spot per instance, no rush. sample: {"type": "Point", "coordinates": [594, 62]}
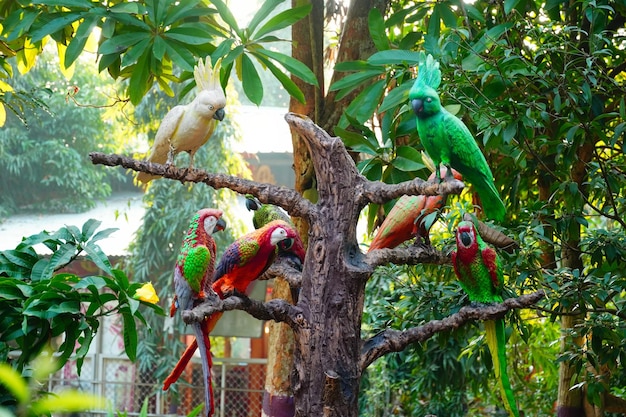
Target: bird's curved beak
{"type": "Point", "coordinates": [219, 114]}
{"type": "Point", "coordinates": [220, 225]}
{"type": "Point", "coordinates": [418, 105]}
{"type": "Point", "coordinates": [466, 238]}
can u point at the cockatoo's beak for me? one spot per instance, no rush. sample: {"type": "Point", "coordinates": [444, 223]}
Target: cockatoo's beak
{"type": "Point", "coordinates": [219, 114]}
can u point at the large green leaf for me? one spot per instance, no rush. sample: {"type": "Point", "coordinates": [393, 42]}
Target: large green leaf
{"type": "Point", "coordinates": [285, 81]}
{"type": "Point", "coordinates": [283, 19]}
{"type": "Point", "coordinates": [377, 29]}
{"type": "Point", "coordinates": [251, 82]}
{"type": "Point", "coordinates": [266, 8]}
{"type": "Point", "coordinates": [408, 159]}
{"type": "Point", "coordinates": [227, 16]}
{"type": "Point", "coordinates": [396, 97]}
{"type": "Point", "coordinates": [352, 81]}
{"type": "Point", "coordinates": [292, 65]}
{"type": "Point", "coordinates": [190, 33]}
{"type": "Point", "coordinates": [95, 254]}
{"type": "Point", "coordinates": [120, 43]}
{"type": "Point", "coordinates": [395, 57]}
{"type": "Point", "coordinates": [57, 21]}
{"type": "Point", "coordinates": [77, 44]}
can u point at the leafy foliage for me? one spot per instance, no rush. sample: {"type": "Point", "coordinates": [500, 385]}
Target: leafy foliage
{"type": "Point", "coordinates": [38, 165]}
{"type": "Point", "coordinates": [41, 302]}
{"type": "Point", "coordinates": [543, 92]}
{"type": "Point", "coordinates": [148, 41]}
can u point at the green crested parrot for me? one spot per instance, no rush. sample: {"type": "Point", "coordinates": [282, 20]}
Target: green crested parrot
{"type": "Point", "coordinates": [193, 275]}
{"type": "Point", "coordinates": [448, 141]}
{"type": "Point", "coordinates": [185, 128]}
{"type": "Point", "coordinates": [479, 270]}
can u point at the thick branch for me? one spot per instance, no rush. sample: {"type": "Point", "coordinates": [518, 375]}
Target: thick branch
{"type": "Point", "coordinates": [285, 271]}
{"type": "Point", "coordinates": [379, 193]}
{"type": "Point", "coordinates": [395, 341]}
{"type": "Point", "coordinates": [277, 310]}
{"type": "Point", "coordinates": [284, 197]}
{"type": "Point", "coordinates": [412, 255]}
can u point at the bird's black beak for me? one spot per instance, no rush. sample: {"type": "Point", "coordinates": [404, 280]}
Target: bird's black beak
{"type": "Point", "coordinates": [418, 105]}
{"type": "Point", "coordinates": [466, 238]}
{"type": "Point", "coordinates": [219, 114]}
{"type": "Point", "coordinates": [251, 204]}
{"type": "Point", "coordinates": [220, 225]}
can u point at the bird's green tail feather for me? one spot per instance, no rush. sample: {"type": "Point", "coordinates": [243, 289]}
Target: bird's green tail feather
{"type": "Point", "coordinates": [490, 199]}
{"type": "Point", "coordinates": [496, 340]}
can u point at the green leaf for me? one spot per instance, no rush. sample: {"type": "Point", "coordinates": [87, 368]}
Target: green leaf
{"type": "Point", "coordinates": [283, 20]}
{"type": "Point", "coordinates": [251, 82]}
{"type": "Point", "coordinates": [395, 57]}
{"type": "Point", "coordinates": [357, 66]}
{"type": "Point", "coordinates": [58, 21]}
{"type": "Point", "coordinates": [129, 334]}
{"type": "Point", "coordinates": [39, 269]}
{"type": "Point", "coordinates": [19, 258]}
{"type": "Point", "coordinates": [356, 141]}
{"type": "Point", "coordinates": [64, 254]}
{"type": "Point", "coordinates": [396, 97]}
{"type": "Point", "coordinates": [121, 279]}
{"type": "Point", "coordinates": [292, 65]}
{"type": "Point", "coordinates": [18, 23]}
{"type": "Point", "coordinates": [351, 81]}
{"type": "Point", "coordinates": [95, 254]}
{"type": "Point", "coordinates": [77, 44]}
{"type": "Point", "coordinates": [133, 54]}
{"type": "Point", "coordinates": [227, 16]}
{"type": "Point", "coordinates": [367, 101]}
{"type": "Point", "coordinates": [191, 34]}
{"type": "Point", "coordinates": [291, 87]}
{"type": "Point", "coordinates": [180, 56]}
{"type": "Point", "coordinates": [266, 8]}
{"type": "Point", "coordinates": [408, 159]}
{"type": "Point", "coordinates": [139, 82]}
{"type": "Point", "coordinates": [376, 25]}
{"type": "Point", "coordinates": [89, 228]}
{"type": "Point", "coordinates": [118, 44]}
{"type": "Point", "coordinates": [67, 401]}
{"type": "Point", "coordinates": [509, 5]}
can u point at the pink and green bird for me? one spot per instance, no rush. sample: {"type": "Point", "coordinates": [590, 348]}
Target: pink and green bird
{"type": "Point", "coordinates": [407, 218]}
{"type": "Point", "coordinates": [242, 262]}
{"type": "Point", "coordinates": [448, 141]}
{"type": "Point", "coordinates": [250, 256]}
{"type": "Point", "coordinates": [193, 274]}
{"type": "Point", "coordinates": [479, 270]}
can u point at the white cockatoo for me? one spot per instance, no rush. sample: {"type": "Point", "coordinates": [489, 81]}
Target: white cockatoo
{"type": "Point", "coordinates": [185, 128]}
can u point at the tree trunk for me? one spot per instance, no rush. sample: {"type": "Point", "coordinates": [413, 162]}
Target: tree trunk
{"type": "Point", "coordinates": [570, 401]}
{"type": "Point", "coordinates": [327, 356]}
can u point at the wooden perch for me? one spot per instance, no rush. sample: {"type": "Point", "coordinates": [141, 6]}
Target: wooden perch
{"type": "Point", "coordinates": [395, 340]}
{"type": "Point", "coordinates": [412, 255]}
{"type": "Point", "coordinates": [281, 196]}
{"type": "Point", "coordinates": [277, 309]}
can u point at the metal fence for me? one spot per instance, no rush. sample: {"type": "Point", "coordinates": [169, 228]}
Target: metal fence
{"type": "Point", "coordinates": [238, 386]}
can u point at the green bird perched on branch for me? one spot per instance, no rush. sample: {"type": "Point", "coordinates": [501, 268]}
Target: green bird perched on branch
{"type": "Point", "coordinates": [448, 141]}
{"type": "Point", "coordinates": [479, 270]}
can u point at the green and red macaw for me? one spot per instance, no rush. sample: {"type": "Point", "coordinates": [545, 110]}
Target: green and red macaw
{"type": "Point", "coordinates": [193, 274]}
{"type": "Point", "coordinates": [448, 141]}
{"type": "Point", "coordinates": [406, 219]}
{"type": "Point", "coordinates": [479, 270]}
{"type": "Point", "coordinates": [242, 262]}
{"type": "Point", "coordinates": [265, 213]}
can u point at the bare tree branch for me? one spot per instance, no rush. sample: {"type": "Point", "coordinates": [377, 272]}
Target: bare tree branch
{"type": "Point", "coordinates": [276, 309]}
{"type": "Point", "coordinates": [395, 341]}
{"type": "Point", "coordinates": [412, 255]}
{"type": "Point", "coordinates": [379, 193]}
{"type": "Point", "coordinates": [284, 197]}
{"type": "Point", "coordinates": [285, 271]}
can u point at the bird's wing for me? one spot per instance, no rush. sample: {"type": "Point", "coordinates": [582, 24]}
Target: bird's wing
{"type": "Point", "coordinates": [465, 155]}
{"type": "Point", "coordinates": [165, 133]}
{"type": "Point", "coordinates": [491, 262]}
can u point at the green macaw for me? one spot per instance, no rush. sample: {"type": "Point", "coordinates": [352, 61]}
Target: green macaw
{"type": "Point", "coordinates": [448, 141]}
{"type": "Point", "coordinates": [479, 270]}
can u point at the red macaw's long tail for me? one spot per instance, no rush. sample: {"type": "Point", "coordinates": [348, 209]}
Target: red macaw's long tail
{"type": "Point", "coordinates": [206, 328]}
